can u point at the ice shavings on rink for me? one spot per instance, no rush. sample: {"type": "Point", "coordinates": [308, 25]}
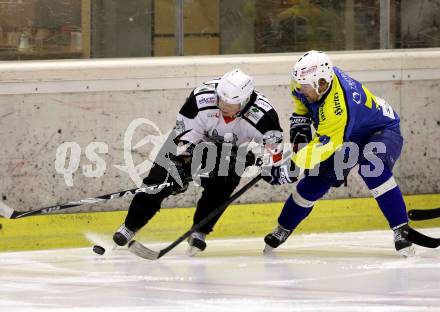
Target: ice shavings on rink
{"type": "Point", "coordinates": [320, 272]}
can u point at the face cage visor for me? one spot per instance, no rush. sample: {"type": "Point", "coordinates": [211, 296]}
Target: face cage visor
{"type": "Point", "coordinates": [241, 104]}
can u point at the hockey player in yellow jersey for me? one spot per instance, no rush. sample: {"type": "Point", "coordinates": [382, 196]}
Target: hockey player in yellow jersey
{"type": "Point", "coordinates": [353, 126]}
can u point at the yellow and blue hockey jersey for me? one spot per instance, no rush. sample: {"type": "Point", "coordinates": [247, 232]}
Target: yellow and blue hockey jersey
{"type": "Point", "coordinates": [348, 112]}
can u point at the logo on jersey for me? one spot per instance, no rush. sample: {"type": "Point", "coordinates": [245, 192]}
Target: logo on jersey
{"type": "Point", "coordinates": [337, 107]}
{"type": "Point", "coordinates": [213, 115]}
{"type": "Point", "coordinates": [206, 100]}
{"type": "Point", "coordinates": [321, 113]}
{"type": "Point", "coordinates": [357, 97]}
{"type": "Point", "coordinates": [323, 140]}
{"type": "Point", "coordinates": [180, 127]}
{"type": "Point", "coordinates": [349, 81]}
{"type": "Point", "coordinates": [215, 137]}
{"type": "Point", "coordinates": [263, 105]}
{"type": "Point", "coordinates": [254, 114]}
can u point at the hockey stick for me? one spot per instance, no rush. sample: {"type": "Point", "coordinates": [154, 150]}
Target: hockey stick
{"type": "Point", "coordinates": [10, 213]}
{"type": "Point", "coordinates": [422, 240]}
{"type": "Point", "coordinates": [423, 214]}
{"type": "Point", "coordinates": [144, 252]}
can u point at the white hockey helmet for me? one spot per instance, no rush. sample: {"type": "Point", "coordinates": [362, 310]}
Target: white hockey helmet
{"type": "Point", "coordinates": [310, 68]}
{"type": "Point", "coordinates": [235, 87]}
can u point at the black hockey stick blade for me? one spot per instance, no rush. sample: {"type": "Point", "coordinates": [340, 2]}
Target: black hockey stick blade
{"type": "Point", "coordinates": [423, 214]}
{"type": "Point", "coordinates": [144, 252]}
{"type": "Point", "coordinates": [10, 213]}
{"type": "Point", "coordinates": [420, 239]}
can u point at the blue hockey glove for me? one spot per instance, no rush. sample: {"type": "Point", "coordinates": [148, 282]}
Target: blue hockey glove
{"type": "Point", "coordinates": [300, 130]}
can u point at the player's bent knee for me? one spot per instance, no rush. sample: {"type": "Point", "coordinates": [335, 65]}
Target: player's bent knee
{"type": "Point", "coordinates": [300, 200]}
{"type": "Point", "coordinates": [388, 185]}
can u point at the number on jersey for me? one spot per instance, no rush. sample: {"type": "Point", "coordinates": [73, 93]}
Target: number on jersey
{"type": "Point", "coordinates": [386, 108]}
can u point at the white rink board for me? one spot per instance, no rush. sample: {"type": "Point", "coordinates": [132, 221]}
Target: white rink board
{"type": "Point", "coordinates": [46, 103]}
{"type": "Point", "coordinates": [320, 272]}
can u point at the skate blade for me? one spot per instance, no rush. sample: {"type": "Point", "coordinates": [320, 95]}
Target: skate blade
{"type": "Point", "coordinates": [192, 251]}
{"type": "Point", "coordinates": [267, 249]}
{"type": "Point", "coordinates": [407, 252]}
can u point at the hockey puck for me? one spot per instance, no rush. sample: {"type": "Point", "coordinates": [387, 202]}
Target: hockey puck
{"type": "Point", "coordinates": [98, 249]}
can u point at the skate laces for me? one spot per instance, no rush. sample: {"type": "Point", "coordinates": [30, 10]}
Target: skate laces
{"type": "Point", "coordinates": [280, 233]}
{"type": "Point", "coordinates": [126, 232]}
{"type": "Point", "coordinates": [403, 246]}
{"type": "Point", "coordinates": [397, 235]}
{"type": "Point", "coordinates": [198, 235]}
{"type": "Point", "coordinates": [400, 233]}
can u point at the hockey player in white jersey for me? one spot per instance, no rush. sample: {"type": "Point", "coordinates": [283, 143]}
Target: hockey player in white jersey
{"type": "Point", "coordinates": [226, 113]}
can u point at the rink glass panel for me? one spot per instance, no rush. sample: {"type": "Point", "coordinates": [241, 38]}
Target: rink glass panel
{"type": "Point", "coordinates": [49, 29]}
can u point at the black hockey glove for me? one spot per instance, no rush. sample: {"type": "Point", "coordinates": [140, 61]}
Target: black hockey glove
{"type": "Point", "coordinates": [279, 175]}
{"type": "Point", "coordinates": [183, 166]}
{"type": "Point", "coordinates": [300, 130]}
{"type": "Point", "coordinates": [252, 160]}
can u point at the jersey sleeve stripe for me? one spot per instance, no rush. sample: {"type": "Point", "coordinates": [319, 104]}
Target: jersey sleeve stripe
{"type": "Point", "coordinates": [207, 107]}
{"type": "Point", "coordinates": [345, 137]}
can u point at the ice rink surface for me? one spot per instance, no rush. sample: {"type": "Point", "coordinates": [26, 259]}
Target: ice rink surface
{"type": "Point", "coordinates": [320, 272]}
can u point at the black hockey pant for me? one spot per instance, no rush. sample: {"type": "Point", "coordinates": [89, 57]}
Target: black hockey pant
{"type": "Point", "coordinates": [216, 191]}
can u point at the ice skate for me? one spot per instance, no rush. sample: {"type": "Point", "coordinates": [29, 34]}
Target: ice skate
{"type": "Point", "coordinates": [196, 243]}
{"type": "Point", "coordinates": [402, 245]}
{"type": "Point", "coordinates": [123, 235]}
{"type": "Point", "coordinates": [276, 238]}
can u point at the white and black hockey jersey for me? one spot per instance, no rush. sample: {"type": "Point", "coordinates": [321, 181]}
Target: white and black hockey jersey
{"type": "Point", "coordinates": [200, 120]}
